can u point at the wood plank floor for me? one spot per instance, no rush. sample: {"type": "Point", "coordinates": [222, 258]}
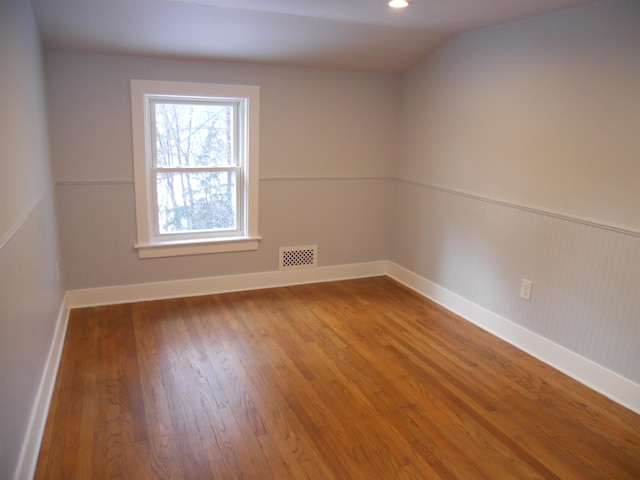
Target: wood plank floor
{"type": "Point", "coordinates": [360, 379]}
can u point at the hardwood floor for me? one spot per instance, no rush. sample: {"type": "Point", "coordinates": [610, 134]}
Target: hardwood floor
{"type": "Point", "coordinates": [360, 379]}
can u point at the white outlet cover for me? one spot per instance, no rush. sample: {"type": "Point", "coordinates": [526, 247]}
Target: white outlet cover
{"type": "Point", "coordinates": [525, 289]}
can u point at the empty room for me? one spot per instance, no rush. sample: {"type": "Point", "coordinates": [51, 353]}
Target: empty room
{"type": "Point", "coordinates": [319, 239]}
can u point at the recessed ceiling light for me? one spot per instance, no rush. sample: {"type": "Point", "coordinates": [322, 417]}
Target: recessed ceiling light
{"type": "Point", "coordinates": [398, 3]}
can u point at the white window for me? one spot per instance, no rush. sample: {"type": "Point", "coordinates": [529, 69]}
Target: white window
{"type": "Point", "coordinates": [195, 151]}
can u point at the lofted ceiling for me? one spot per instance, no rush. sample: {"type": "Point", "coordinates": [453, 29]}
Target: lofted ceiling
{"type": "Point", "coordinates": [364, 35]}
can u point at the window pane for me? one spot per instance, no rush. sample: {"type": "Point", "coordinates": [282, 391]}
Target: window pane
{"type": "Point", "coordinates": [193, 134]}
{"type": "Point", "coordinates": [197, 201]}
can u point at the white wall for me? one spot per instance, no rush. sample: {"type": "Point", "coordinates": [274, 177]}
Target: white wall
{"type": "Point", "coordinates": [30, 294]}
{"type": "Point", "coordinates": [327, 156]}
{"type": "Point", "coordinates": [520, 159]}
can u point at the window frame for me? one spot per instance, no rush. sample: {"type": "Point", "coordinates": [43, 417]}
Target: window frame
{"type": "Point", "coordinates": [237, 166]}
{"type": "Point", "coordinates": [150, 242]}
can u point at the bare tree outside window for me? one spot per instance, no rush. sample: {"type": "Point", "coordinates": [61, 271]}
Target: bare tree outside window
{"type": "Point", "coordinates": [196, 166]}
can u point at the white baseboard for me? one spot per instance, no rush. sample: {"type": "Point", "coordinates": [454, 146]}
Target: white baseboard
{"type": "Point", "coordinates": [35, 430]}
{"type": "Point", "coordinates": [587, 372]}
{"type": "Point", "coordinates": [224, 284]}
{"type": "Point", "coordinates": [152, 291]}
{"type": "Point", "coordinates": [610, 384]}
{"type": "Point", "coordinates": [597, 377]}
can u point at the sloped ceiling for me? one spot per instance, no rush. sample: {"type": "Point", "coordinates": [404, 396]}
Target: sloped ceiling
{"type": "Point", "coordinates": [364, 35]}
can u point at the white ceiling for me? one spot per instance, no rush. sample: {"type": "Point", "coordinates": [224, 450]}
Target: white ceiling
{"type": "Point", "coordinates": [344, 34]}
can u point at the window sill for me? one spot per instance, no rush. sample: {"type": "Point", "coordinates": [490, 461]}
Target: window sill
{"type": "Point", "coordinates": [197, 247]}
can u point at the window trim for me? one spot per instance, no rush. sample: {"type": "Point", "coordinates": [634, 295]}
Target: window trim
{"type": "Point", "coordinates": [149, 245]}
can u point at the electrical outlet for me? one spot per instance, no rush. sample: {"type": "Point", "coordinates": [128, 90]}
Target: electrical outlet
{"type": "Point", "coordinates": [525, 289]}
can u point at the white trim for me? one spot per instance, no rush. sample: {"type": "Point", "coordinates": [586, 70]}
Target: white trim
{"type": "Point", "coordinates": [84, 183]}
{"type": "Point", "coordinates": [114, 181]}
{"type": "Point", "coordinates": [600, 379]}
{"type": "Point", "coordinates": [196, 247]}
{"type": "Point", "coordinates": [312, 178]}
{"type": "Point", "coordinates": [585, 371]}
{"type": "Point", "coordinates": [547, 213]}
{"type": "Point", "coordinates": [23, 218]}
{"type": "Point", "coordinates": [266, 179]}
{"type": "Point", "coordinates": [597, 377]}
{"type": "Point", "coordinates": [248, 96]}
{"type": "Point", "coordinates": [224, 284]}
{"type": "Point", "coordinates": [28, 459]}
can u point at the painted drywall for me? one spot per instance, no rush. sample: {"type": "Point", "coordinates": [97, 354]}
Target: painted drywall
{"type": "Point", "coordinates": [327, 153]}
{"type": "Point", "coordinates": [30, 294]}
{"type": "Point", "coordinates": [21, 137]}
{"type": "Point", "coordinates": [540, 113]}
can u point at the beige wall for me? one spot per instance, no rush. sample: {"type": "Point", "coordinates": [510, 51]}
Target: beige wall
{"type": "Point", "coordinates": [30, 294]}
{"type": "Point", "coordinates": [541, 113]}
{"type": "Point", "coordinates": [327, 153]}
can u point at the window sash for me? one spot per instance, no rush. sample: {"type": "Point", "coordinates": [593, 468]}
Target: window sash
{"type": "Point", "coordinates": [239, 212]}
{"type": "Point", "coordinates": [195, 169]}
{"type": "Point", "coordinates": [238, 135]}
{"type": "Point", "coordinates": [238, 124]}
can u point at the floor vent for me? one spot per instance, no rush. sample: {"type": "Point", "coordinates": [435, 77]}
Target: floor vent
{"type": "Point", "coordinates": [293, 258]}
